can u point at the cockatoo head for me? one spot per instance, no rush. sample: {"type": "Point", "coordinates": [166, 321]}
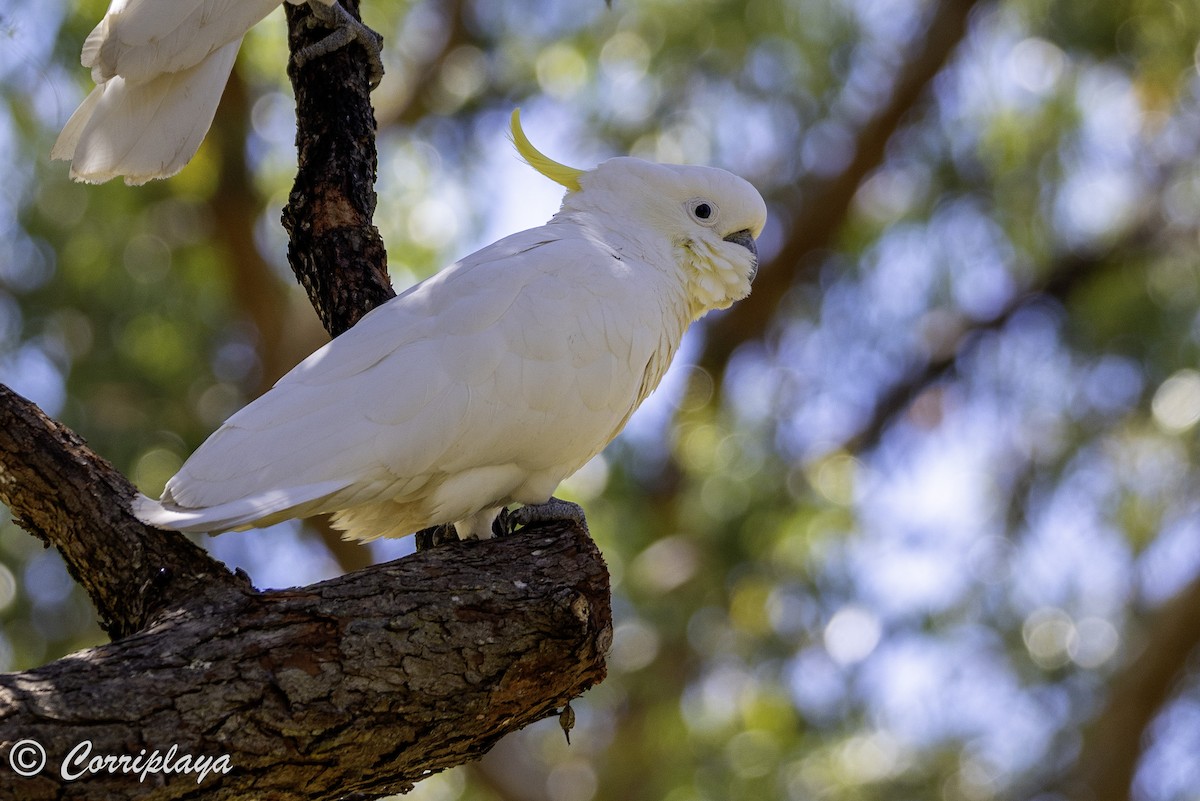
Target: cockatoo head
{"type": "Point", "coordinates": [707, 217]}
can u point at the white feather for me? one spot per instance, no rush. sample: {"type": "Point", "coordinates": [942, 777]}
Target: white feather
{"type": "Point", "coordinates": [142, 39]}
{"type": "Point", "coordinates": [485, 385]}
{"type": "Point", "coordinates": [160, 67]}
{"type": "Point", "coordinates": [145, 130]}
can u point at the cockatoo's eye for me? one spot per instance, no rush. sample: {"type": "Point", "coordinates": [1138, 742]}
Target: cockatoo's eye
{"type": "Point", "coordinates": [703, 211]}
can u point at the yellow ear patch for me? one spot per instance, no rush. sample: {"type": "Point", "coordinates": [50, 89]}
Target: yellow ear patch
{"type": "Point", "coordinates": [559, 173]}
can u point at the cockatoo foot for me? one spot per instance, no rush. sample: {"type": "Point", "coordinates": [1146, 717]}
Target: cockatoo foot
{"type": "Point", "coordinates": [345, 29]}
{"type": "Point", "coordinates": [436, 535]}
{"type": "Point", "coordinates": [554, 510]}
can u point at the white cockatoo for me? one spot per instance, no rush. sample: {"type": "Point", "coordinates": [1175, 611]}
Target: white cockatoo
{"type": "Point", "coordinates": [160, 67]}
{"type": "Point", "coordinates": [492, 381]}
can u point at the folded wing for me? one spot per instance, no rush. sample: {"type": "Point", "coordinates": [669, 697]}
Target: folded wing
{"type": "Point", "coordinates": [495, 378]}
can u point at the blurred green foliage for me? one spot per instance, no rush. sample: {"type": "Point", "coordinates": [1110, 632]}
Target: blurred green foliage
{"type": "Point", "coordinates": [937, 610]}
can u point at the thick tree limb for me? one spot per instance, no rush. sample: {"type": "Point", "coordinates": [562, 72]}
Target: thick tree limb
{"type": "Point", "coordinates": [67, 496]}
{"type": "Point", "coordinates": [358, 686]}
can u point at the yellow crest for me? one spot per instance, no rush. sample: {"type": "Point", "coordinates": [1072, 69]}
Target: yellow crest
{"type": "Point", "coordinates": [559, 173]}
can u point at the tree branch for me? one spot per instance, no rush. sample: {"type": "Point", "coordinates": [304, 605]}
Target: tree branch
{"type": "Point", "coordinates": [334, 249]}
{"type": "Point", "coordinates": [360, 685]}
{"type": "Point", "coordinates": [67, 496]}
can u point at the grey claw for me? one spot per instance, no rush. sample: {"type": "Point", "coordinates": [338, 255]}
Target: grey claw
{"type": "Point", "coordinates": [552, 511]}
{"type": "Point", "coordinates": [345, 29]}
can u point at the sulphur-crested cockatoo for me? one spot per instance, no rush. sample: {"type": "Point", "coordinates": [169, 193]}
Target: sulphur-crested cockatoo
{"type": "Point", "coordinates": [160, 67]}
{"type": "Point", "coordinates": [495, 379]}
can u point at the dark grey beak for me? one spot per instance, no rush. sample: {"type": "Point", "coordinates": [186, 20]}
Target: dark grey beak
{"type": "Point", "coordinates": [746, 240]}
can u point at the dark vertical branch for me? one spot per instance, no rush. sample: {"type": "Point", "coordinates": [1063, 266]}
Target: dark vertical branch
{"type": "Point", "coordinates": [334, 249]}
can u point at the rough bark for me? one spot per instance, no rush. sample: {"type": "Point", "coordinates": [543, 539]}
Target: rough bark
{"type": "Point", "coordinates": [357, 686]}
{"type": "Point", "coordinates": [63, 493]}
{"type": "Point", "coordinates": [334, 249]}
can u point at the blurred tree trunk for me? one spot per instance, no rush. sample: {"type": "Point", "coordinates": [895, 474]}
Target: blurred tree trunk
{"type": "Point", "coordinates": [1114, 740]}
